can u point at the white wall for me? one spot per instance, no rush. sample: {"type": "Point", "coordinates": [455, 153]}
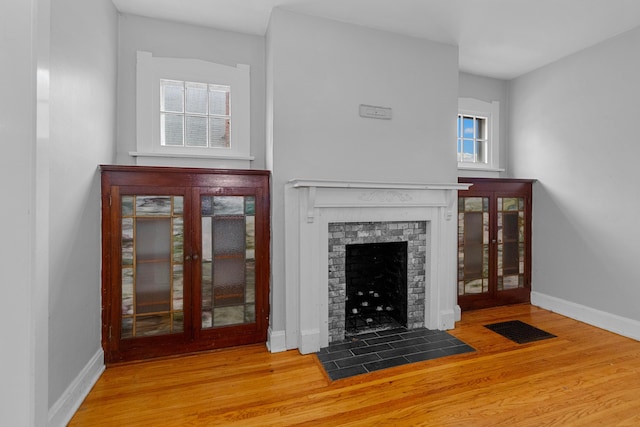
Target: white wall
{"type": "Point", "coordinates": [82, 136]}
{"type": "Point", "coordinates": [171, 39]}
{"type": "Point", "coordinates": [574, 127]}
{"type": "Point", "coordinates": [488, 89]}
{"type": "Point", "coordinates": [19, 317]}
{"type": "Point", "coordinates": [320, 71]}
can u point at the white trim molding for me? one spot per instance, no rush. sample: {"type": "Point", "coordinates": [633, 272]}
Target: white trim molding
{"type": "Point", "coordinates": [601, 319]}
{"type": "Point", "coordinates": [66, 406]}
{"type": "Point", "coordinates": [310, 205]}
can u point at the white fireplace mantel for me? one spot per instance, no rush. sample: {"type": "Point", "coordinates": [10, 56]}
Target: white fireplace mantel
{"type": "Point", "coordinates": [310, 205]}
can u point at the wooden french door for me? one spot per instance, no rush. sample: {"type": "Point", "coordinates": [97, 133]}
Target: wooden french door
{"type": "Point", "coordinates": [494, 243]}
{"type": "Point", "coordinates": [186, 266]}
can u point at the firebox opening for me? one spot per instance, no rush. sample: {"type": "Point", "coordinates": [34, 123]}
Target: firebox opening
{"type": "Point", "coordinates": [376, 291]}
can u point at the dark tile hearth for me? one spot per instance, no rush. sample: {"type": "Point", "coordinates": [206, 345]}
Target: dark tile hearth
{"type": "Point", "coordinates": [385, 349]}
{"type": "Point", "coordinates": [519, 332]}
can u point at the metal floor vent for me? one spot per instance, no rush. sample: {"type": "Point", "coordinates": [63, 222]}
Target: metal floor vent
{"type": "Point", "coordinates": [519, 332]}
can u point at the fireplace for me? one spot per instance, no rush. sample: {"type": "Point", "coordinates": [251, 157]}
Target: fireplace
{"type": "Point", "coordinates": [390, 260]}
{"type": "Point", "coordinates": [376, 296]}
{"type": "Point", "coordinates": [314, 258]}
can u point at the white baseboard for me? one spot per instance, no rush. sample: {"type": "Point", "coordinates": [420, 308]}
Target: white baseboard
{"type": "Point", "coordinates": [277, 341]}
{"type": "Point", "coordinates": [613, 323]}
{"type": "Point", "coordinates": [63, 410]}
{"type": "Point", "coordinates": [309, 341]}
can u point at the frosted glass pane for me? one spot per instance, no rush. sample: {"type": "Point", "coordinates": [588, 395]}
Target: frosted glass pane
{"type": "Point", "coordinates": [196, 135]}
{"type": "Point", "coordinates": [250, 313]}
{"type": "Point", "coordinates": [228, 281]}
{"type": "Point", "coordinates": [156, 324]}
{"type": "Point", "coordinates": [250, 273]}
{"type": "Point", "coordinates": [178, 240]}
{"type": "Point", "coordinates": [153, 265]}
{"type": "Point", "coordinates": [229, 236]}
{"type": "Point", "coordinates": [207, 239]}
{"type": "Point", "coordinates": [153, 238]}
{"type": "Point", "coordinates": [178, 283]}
{"type": "Point", "coordinates": [178, 205]}
{"type": "Point", "coordinates": [127, 205]}
{"type": "Point", "coordinates": [228, 205]}
{"type": "Point", "coordinates": [178, 322]}
{"type": "Point", "coordinates": [127, 291]}
{"type": "Point", "coordinates": [250, 205]}
{"type": "Point", "coordinates": [153, 205]}
{"type": "Point", "coordinates": [126, 330]}
{"type": "Point", "coordinates": [473, 204]}
{"type": "Point", "coordinates": [153, 287]}
{"type": "Point", "coordinates": [219, 97]}
{"type": "Point", "coordinates": [127, 241]}
{"type": "Point", "coordinates": [219, 132]}
{"type": "Point", "coordinates": [171, 129]}
{"type": "Point", "coordinates": [171, 96]}
{"type": "Point", "coordinates": [510, 204]}
{"type": "Point", "coordinates": [225, 316]}
{"type": "Point", "coordinates": [196, 98]}
{"type": "Point", "coordinates": [250, 237]}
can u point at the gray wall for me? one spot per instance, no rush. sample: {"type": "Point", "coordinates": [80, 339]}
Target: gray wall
{"type": "Point", "coordinates": [489, 89]}
{"type": "Point", "coordinates": [320, 71]}
{"type": "Point", "coordinates": [20, 403]}
{"type": "Point", "coordinates": [574, 127]}
{"type": "Point", "coordinates": [82, 126]}
{"type": "Point", "coordinates": [170, 39]}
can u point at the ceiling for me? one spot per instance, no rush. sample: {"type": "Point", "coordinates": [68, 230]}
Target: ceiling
{"type": "Point", "coordinates": [496, 38]}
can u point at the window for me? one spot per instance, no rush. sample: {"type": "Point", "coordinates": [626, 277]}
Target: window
{"type": "Point", "coordinates": [189, 108]}
{"type": "Point", "coordinates": [478, 134]}
{"type": "Point", "coordinates": [472, 139]}
{"type": "Point", "coordinates": [194, 114]}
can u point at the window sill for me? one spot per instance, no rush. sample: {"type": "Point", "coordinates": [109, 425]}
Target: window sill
{"type": "Point", "coordinates": [480, 168]}
{"type": "Point", "coordinates": [190, 156]}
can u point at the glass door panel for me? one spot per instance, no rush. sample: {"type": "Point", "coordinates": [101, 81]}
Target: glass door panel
{"type": "Point", "coordinates": [152, 229]}
{"type": "Point", "coordinates": [511, 243]}
{"type": "Point", "coordinates": [228, 261]}
{"type": "Point", "coordinates": [473, 245]}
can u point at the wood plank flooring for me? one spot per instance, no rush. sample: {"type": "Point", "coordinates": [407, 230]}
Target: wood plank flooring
{"type": "Point", "coordinates": [584, 377]}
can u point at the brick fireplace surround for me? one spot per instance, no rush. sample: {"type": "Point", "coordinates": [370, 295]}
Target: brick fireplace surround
{"type": "Point", "coordinates": [312, 205]}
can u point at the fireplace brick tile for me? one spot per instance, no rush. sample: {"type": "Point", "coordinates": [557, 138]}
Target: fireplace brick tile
{"type": "Point", "coordinates": [347, 372]}
{"type": "Point", "coordinates": [337, 355]}
{"type": "Point", "coordinates": [442, 336]}
{"type": "Point", "coordinates": [408, 342]}
{"type": "Point", "coordinates": [357, 360]}
{"type": "Point", "coordinates": [457, 350]}
{"type": "Point", "coordinates": [425, 355]}
{"type": "Point", "coordinates": [371, 349]}
{"type": "Point", "coordinates": [393, 331]}
{"type": "Point", "coordinates": [396, 352]}
{"type": "Point", "coordinates": [349, 345]}
{"type": "Point", "coordinates": [385, 339]}
{"type": "Point", "coordinates": [384, 364]}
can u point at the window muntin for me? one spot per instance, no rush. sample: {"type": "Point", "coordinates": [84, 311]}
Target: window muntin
{"type": "Point", "coordinates": [194, 114]}
{"type": "Point", "coordinates": [472, 139]}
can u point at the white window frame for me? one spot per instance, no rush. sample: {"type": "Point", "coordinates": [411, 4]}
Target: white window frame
{"type": "Point", "coordinates": [150, 70]}
{"type": "Point", "coordinates": [490, 110]}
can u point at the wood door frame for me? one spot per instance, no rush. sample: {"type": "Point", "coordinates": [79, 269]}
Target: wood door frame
{"type": "Point", "coordinates": [118, 180]}
{"type": "Point", "coordinates": [494, 188]}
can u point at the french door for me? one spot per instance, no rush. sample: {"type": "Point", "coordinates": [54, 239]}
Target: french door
{"type": "Point", "coordinates": [494, 243]}
{"type": "Point", "coordinates": [186, 267]}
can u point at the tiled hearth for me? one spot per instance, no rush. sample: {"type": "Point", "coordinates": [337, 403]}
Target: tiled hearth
{"type": "Point", "coordinates": [312, 205]}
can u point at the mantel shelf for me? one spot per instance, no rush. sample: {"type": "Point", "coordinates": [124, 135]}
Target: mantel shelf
{"type": "Point", "coordinates": [320, 183]}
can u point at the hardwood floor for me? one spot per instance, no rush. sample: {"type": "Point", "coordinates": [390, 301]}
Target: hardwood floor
{"type": "Point", "coordinates": [584, 377]}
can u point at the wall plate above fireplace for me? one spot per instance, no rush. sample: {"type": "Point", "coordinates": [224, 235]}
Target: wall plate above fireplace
{"type": "Point", "coordinates": [374, 112]}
